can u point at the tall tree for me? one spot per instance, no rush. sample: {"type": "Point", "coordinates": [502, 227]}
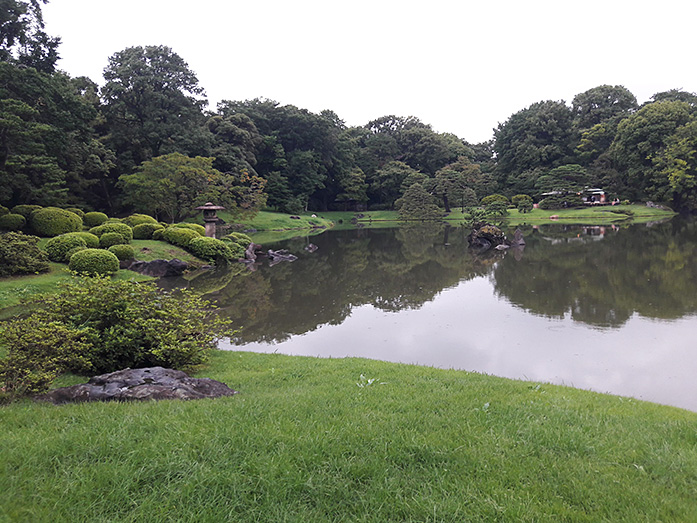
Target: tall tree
{"type": "Point", "coordinates": [23, 40]}
{"type": "Point", "coordinates": [601, 104]}
{"type": "Point", "coordinates": [153, 106]}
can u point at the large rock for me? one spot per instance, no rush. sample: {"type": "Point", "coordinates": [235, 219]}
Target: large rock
{"type": "Point", "coordinates": [159, 268]}
{"type": "Point", "coordinates": [153, 383]}
{"type": "Point", "coordinates": [485, 236]}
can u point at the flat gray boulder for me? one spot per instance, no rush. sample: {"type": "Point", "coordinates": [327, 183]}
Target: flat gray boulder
{"type": "Point", "coordinates": [153, 383]}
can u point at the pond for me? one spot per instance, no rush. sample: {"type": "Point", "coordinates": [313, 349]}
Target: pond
{"type": "Point", "coordinates": [601, 308]}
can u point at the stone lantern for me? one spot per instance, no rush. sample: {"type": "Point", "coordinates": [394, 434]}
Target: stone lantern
{"type": "Point", "coordinates": [209, 217]}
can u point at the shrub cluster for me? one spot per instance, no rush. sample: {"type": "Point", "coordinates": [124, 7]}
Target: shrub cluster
{"type": "Point", "coordinates": [58, 247]}
{"type": "Point", "coordinates": [94, 219]}
{"type": "Point", "coordinates": [144, 231]}
{"type": "Point", "coordinates": [77, 211]}
{"type": "Point", "coordinates": [100, 325]}
{"type": "Point", "coordinates": [20, 254]}
{"type": "Point", "coordinates": [25, 210]}
{"type": "Point", "coordinates": [4, 210]}
{"type": "Point", "coordinates": [200, 229]}
{"type": "Point", "coordinates": [122, 251]}
{"type": "Point", "coordinates": [12, 222]}
{"type": "Point", "coordinates": [179, 236]}
{"type": "Point", "coordinates": [487, 200]}
{"type": "Point", "coordinates": [121, 228]}
{"type": "Point", "coordinates": [210, 249]}
{"type": "Point", "coordinates": [240, 238]}
{"type": "Point", "coordinates": [52, 221]}
{"type": "Point", "coordinates": [560, 201]}
{"type": "Point", "coordinates": [94, 262]}
{"type": "Point", "coordinates": [91, 240]}
{"type": "Point", "coordinates": [138, 219]}
{"type": "Point", "coordinates": [108, 239]}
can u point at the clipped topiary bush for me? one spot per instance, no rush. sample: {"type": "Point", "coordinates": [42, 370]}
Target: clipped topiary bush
{"type": "Point", "coordinates": [200, 229]}
{"type": "Point", "coordinates": [560, 201]}
{"type": "Point", "coordinates": [123, 251]}
{"type": "Point", "coordinates": [159, 234]}
{"type": "Point", "coordinates": [108, 239]}
{"type": "Point", "coordinates": [519, 198]}
{"type": "Point", "coordinates": [25, 210]}
{"type": "Point", "coordinates": [12, 222]}
{"type": "Point", "coordinates": [58, 247]}
{"type": "Point", "coordinates": [210, 249]}
{"type": "Point", "coordinates": [4, 210]}
{"type": "Point", "coordinates": [123, 229]}
{"type": "Point", "coordinates": [52, 221]}
{"type": "Point", "coordinates": [91, 240]}
{"type": "Point", "coordinates": [94, 219]}
{"type": "Point", "coordinates": [240, 237]}
{"type": "Point", "coordinates": [179, 236]}
{"type": "Point", "coordinates": [494, 198]}
{"type": "Point", "coordinates": [144, 231]}
{"type": "Point", "coordinates": [93, 262]}
{"type": "Point", "coordinates": [137, 219]}
{"type": "Point", "coordinates": [20, 254]}
{"type": "Point", "coordinates": [77, 211]}
{"type": "Point", "coordinates": [72, 251]}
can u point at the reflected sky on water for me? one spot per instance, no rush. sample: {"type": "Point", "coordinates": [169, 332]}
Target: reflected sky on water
{"type": "Point", "coordinates": [611, 312]}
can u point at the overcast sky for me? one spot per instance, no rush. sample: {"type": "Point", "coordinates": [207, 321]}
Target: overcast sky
{"type": "Point", "coordinates": [461, 66]}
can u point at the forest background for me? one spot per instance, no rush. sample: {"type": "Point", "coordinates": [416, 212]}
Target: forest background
{"type": "Point", "coordinates": [145, 138]}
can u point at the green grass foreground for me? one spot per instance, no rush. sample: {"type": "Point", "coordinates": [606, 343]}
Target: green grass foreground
{"type": "Point", "coordinates": [351, 440]}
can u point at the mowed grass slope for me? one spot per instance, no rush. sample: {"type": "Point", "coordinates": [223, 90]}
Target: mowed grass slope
{"type": "Point", "coordinates": [351, 440]}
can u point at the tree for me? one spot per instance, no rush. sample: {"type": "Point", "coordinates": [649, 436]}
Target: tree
{"type": "Point", "coordinates": [354, 188]}
{"type": "Point", "coordinates": [564, 179]}
{"type": "Point", "coordinates": [601, 104]}
{"type": "Point", "coordinates": [173, 186]}
{"type": "Point", "coordinates": [537, 137]}
{"type": "Point", "coordinates": [418, 204]}
{"type": "Point", "coordinates": [675, 180]}
{"type": "Point", "coordinates": [641, 139]}
{"type": "Point", "coordinates": [153, 105]}
{"type": "Point", "coordinates": [23, 40]}
{"type": "Point", "coordinates": [386, 185]}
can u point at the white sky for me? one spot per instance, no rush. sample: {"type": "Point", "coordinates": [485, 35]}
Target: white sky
{"type": "Point", "coordinates": [461, 66]}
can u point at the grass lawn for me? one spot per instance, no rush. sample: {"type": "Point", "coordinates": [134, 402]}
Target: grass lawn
{"type": "Point", "coordinates": [351, 440]}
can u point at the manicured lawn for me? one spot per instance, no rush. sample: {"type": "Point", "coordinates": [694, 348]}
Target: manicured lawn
{"type": "Point", "coordinates": [351, 440]}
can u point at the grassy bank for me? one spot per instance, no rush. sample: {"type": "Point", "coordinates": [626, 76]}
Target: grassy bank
{"type": "Point", "coordinates": [312, 440]}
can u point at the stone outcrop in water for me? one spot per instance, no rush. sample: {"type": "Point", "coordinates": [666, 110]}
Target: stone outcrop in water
{"type": "Point", "coordinates": [485, 236]}
{"type": "Point", "coordinates": [153, 383]}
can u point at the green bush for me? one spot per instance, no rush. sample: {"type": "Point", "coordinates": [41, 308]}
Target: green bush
{"type": "Point", "coordinates": [496, 208]}
{"type": "Point", "coordinates": [525, 206]}
{"type": "Point", "coordinates": [91, 240]}
{"type": "Point", "coordinates": [77, 211]}
{"type": "Point", "coordinates": [58, 247]}
{"type": "Point", "coordinates": [52, 221]}
{"type": "Point", "coordinates": [72, 251]}
{"type": "Point", "coordinates": [520, 197]}
{"type": "Point", "coordinates": [236, 250]}
{"type": "Point", "coordinates": [12, 222]}
{"type": "Point", "coordinates": [123, 229]}
{"type": "Point", "coordinates": [159, 234]}
{"type": "Point", "coordinates": [4, 210]}
{"type": "Point", "coordinates": [200, 229]}
{"type": "Point", "coordinates": [94, 219]}
{"type": "Point", "coordinates": [20, 254]}
{"type": "Point", "coordinates": [560, 201]}
{"type": "Point", "coordinates": [94, 262]}
{"type": "Point", "coordinates": [25, 210]}
{"type": "Point", "coordinates": [494, 198]}
{"type": "Point", "coordinates": [99, 325]}
{"type": "Point", "coordinates": [240, 237]}
{"type": "Point", "coordinates": [210, 249]}
{"type": "Point", "coordinates": [108, 239]}
{"type": "Point", "coordinates": [179, 236]}
{"type": "Point", "coordinates": [144, 231]}
{"type": "Point", "coordinates": [138, 219]}
{"type": "Point", "coordinates": [123, 251]}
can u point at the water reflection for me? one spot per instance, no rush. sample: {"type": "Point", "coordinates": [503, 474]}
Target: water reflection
{"type": "Point", "coordinates": [609, 309]}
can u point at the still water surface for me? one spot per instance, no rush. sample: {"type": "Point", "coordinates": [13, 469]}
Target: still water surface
{"type": "Point", "coordinates": [606, 309]}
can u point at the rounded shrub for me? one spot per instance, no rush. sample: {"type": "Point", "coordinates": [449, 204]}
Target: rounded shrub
{"type": "Point", "coordinates": [159, 234]}
{"type": "Point", "coordinates": [93, 219]}
{"type": "Point", "coordinates": [91, 240]}
{"type": "Point", "coordinates": [210, 249]}
{"type": "Point", "coordinates": [179, 236]}
{"type": "Point", "coordinates": [4, 210]}
{"type": "Point", "coordinates": [144, 231]}
{"type": "Point", "coordinates": [25, 210]}
{"type": "Point", "coordinates": [12, 222]}
{"type": "Point", "coordinates": [123, 229]}
{"type": "Point", "coordinates": [200, 229]}
{"type": "Point", "coordinates": [494, 198]}
{"type": "Point", "coordinates": [519, 198]}
{"type": "Point", "coordinates": [58, 247]}
{"type": "Point", "coordinates": [72, 251]}
{"type": "Point", "coordinates": [241, 238]}
{"type": "Point", "coordinates": [52, 221]}
{"type": "Point", "coordinates": [108, 239]}
{"type": "Point", "coordinates": [560, 201]}
{"type": "Point", "coordinates": [137, 219]}
{"type": "Point", "coordinates": [77, 211]}
{"type": "Point", "coordinates": [237, 250]}
{"type": "Point", "coordinates": [123, 251]}
{"type": "Point", "coordinates": [93, 262]}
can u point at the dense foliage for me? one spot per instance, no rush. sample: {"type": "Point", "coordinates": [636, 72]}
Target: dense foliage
{"type": "Point", "coordinates": [143, 142]}
{"type": "Point", "coordinates": [99, 325]}
{"type": "Point", "coordinates": [94, 262]}
{"type": "Point", "coordinates": [20, 254]}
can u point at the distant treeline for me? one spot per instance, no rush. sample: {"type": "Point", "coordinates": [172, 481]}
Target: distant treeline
{"type": "Point", "coordinates": [69, 142]}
